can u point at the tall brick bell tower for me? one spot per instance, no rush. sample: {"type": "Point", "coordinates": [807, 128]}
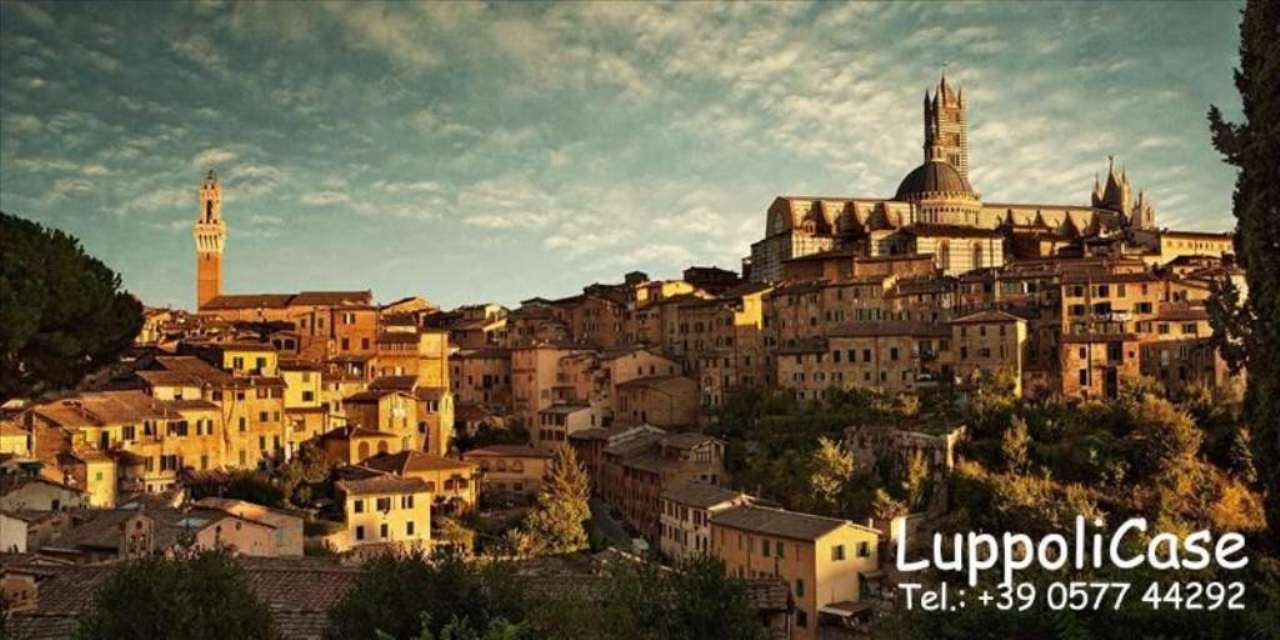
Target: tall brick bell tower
{"type": "Point", "coordinates": [211, 236]}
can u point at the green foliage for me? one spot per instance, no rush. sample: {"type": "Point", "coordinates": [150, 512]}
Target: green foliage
{"type": "Point", "coordinates": [489, 435]}
{"type": "Point", "coordinates": [916, 482]}
{"type": "Point", "coordinates": [1241, 456]}
{"type": "Point", "coordinates": [205, 597]}
{"type": "Point", "coordinates": [831, 469]}
{"type": "Point", "coordinates": [1165, 439]}
{"type": "Point", "coordinates": [1252, 146]}
{"type": "Point", "coordinates": [244, 484]}
{"type": "Point", "coordinates": [694, 601]}
{"type": "Point", "coordinates": [1013, 446]}
{"type": "Point", "coordinates": [305, 477]}
{"type": "Point", "coordinates": [555, 525]}
{"type": "Point", "coordinates": [885, 508]}
{"type": "Point", "coordinates": [63, 314]}
{"type": "Point", "coordinates": [411, 595]}
{"type": "Point", "coordinates": [462, 629]}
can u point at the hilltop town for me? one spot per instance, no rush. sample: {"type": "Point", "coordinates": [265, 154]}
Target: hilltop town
{"type": "Point", "coordinates": [848, 385]}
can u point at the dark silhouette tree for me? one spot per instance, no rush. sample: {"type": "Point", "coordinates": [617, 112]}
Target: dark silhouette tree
{"type": "Point", "coordinates": [1253, 146]}
{"type": "Point", "coordinates": [63, 314]}
{"type": "Point", "coordinates": [204, 597]}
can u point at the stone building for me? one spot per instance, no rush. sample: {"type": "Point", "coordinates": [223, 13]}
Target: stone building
{"type": "Point", "coordinates": [936, 210]}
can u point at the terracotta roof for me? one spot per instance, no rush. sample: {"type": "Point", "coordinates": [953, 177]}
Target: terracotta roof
{"type": "Point", "coordinates": [397, 383]}
{"type": "Point", "coordinates": [104, 408]}
{"type": "Point", "coordinates": [508, 451]}
{"type": "Point", "coordinates": [593, 433]}
{"type": "Point", "coordinates": [987, 316]}
{"type": "Point", "coordinates": [198, 371]}
{"type": "Point", "coordinates": [299, 591]}
{"type": "Point", "coordinates": [247, 301]}
{"type": "Point", "coordinates": [410, 461]}
{"type": "Point", "coordinates": [699, 494]}
{"type": "Point", "coordinates": [687, 440]}
{"type": "Point", "coordinates": [565, 409]}
{"type": "Point", "coordinates": [653, 382]}
{"type": "Point", "coordinates": [778, 522]}
{"type": "Point", "coordinates": [381, 483]}
{"type": "Point", "coordinates": [398, 337]}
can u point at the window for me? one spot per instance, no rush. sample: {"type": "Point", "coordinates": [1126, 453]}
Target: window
{"type": "Point", "coordinates": [764, 548]}
{"type": "Point", "coordinates": [864, 550]}
{"type": "Point", "coordinates": [802, 618]}
{"type": "Point", "coordinates": [406, 502]}
{"type": "Point", "coordinates": [358, 506]}
{"type": "Point", "coordinates": [359, 532]}
{"type": "Point", "coordinates": [777, 549]}
{"type": "Point", "coordinates": [799, 587]}
{"type": "Point", "coordinates": [384, 504]}
{"type": "Point", "coordinates": [837, 553]}
{"type": "Point", "coordinates": [384, 531]}
{"type": "Point", "coordinates": [408, 528]}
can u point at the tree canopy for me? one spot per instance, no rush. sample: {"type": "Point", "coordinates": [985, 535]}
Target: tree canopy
{"type": "Point", "coordinates": [1252, 146]}
{"type": "Point", "coordinates": [63, 313]}
{"type": "Point", "coordinates": [204, 597]}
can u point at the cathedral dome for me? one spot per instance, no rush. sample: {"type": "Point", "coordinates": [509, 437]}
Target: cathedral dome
{"type": "Point", "coordinates": [934, 176]}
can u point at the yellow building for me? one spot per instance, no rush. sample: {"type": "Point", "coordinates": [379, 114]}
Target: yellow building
{"type": "Point", "coordinates": [829, 564]}
{"type": "Point", "coordinates": [381, 508]}
{"type": "Point", "coordinates": [387, 411]}
{"type": "Point", "coordinates": [454, 484]}
{"type": "Point", "coordinates": [14, 440]}
{"type": "Point", "coordinates": [306, 414]}
{"type": "Point", "coordinates": [511, 468]}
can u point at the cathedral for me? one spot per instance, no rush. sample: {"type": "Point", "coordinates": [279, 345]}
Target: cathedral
{"type": "Point", "coordinates": [936, 211]}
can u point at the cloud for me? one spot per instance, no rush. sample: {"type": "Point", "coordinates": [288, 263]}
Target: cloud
{"type": "Point", "coordinates": [162, 198]}
{"type": "Point", "coordinates": [198, 48]}
{"type": "Point", "coordinates": [94, 170]}
{"type": "Point", "coordinates": [509, 202]}
{"type": "Point", "coordinates": [252, 180]}
{"type": "Point", "coordinates": [389, 186]}
{"type": "Point", "coordinates": [102, 61]}
{"type": "Point", "coordinates": [45, 165]}
{"type": "Point", "coordinates": [387, 29]}
{"type": "Point", "coordinates": [214, 157]}
{"type": "Point", "coordinates": [325, 198]}
{"type": "Point", "coordinates": [34, 14]}
{"type": "Point", "coordinates": [21, 123]}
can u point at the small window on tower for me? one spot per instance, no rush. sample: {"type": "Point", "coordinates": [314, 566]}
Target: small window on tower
{"type": "Point", "coordinates": [208, 209]}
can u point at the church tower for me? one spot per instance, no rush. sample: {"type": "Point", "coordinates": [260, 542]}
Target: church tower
{"type": "Point", "coordinates": [945, 138]}
{"type": "Point", "coordinates": [211, 236]}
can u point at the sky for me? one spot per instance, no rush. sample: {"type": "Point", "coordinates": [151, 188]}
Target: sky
{"type": "Point", "coordinates": [471, 152]}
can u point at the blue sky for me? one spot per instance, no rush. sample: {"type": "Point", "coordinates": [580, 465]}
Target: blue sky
{"type": "Point", "coordinates": [470, 152]}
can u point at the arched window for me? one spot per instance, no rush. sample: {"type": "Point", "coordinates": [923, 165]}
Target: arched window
{"type": "Point", "coordinates": [977, 255]}
{"type": "Point", "coordinates": [382, 446]}
{"type": "Point", "coordinates": [363, 450]}
{"type": "Point", "coordinates": [944, 254]}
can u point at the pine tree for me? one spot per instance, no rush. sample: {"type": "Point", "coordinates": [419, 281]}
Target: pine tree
{"type": "Point", "coordinates": [1253, 146]}
{"type": "Point", "coordinates": [555, 524]}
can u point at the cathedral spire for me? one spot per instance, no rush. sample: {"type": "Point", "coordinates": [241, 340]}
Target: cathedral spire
{"type": "Point", "coordinates": [945, 128]}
